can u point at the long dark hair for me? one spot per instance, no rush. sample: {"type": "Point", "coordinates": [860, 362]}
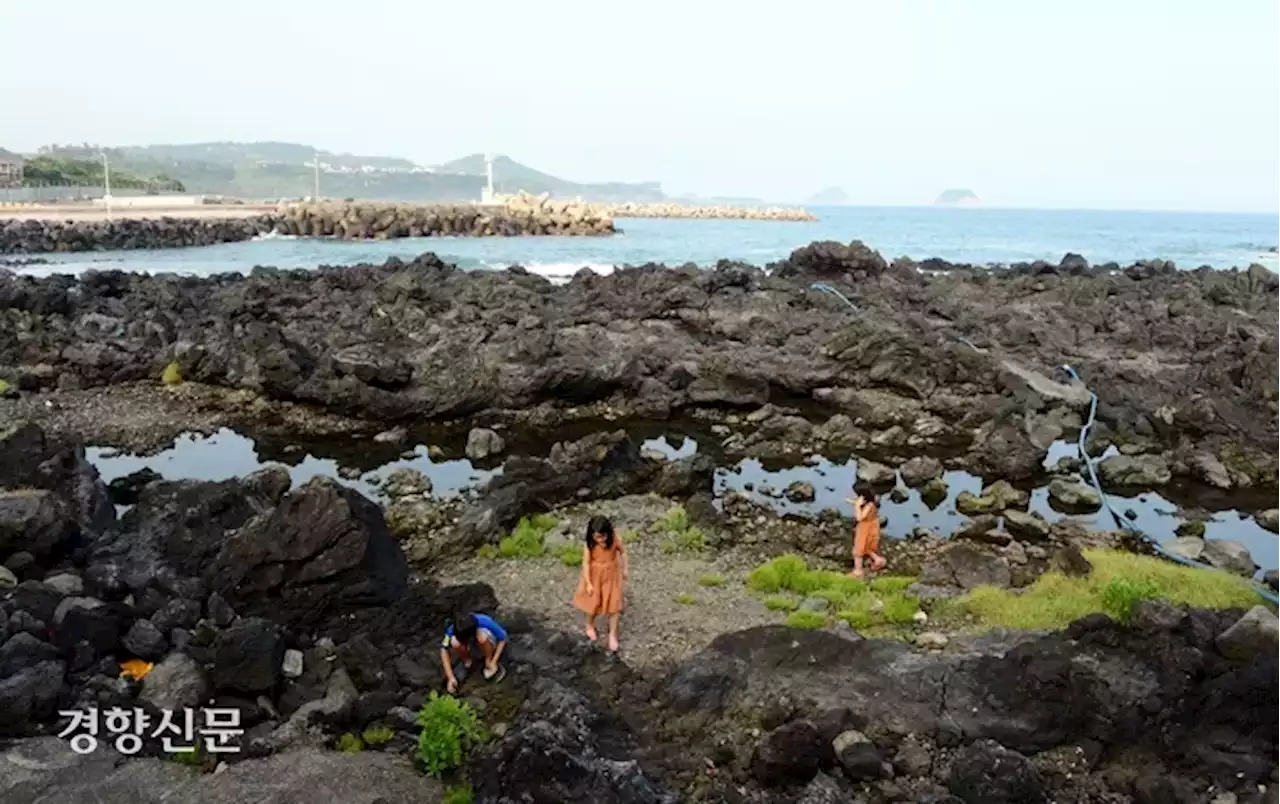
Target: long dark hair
{"type": "Point", "coordinates": [866, 492]}
{"type": "Point", "coordinates": [464, 627]}
{"type": "Point", "coordinates": [600, 524]}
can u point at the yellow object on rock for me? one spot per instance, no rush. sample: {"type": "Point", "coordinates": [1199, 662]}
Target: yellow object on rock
{"type": "Point", "coordinates": [135, 669]}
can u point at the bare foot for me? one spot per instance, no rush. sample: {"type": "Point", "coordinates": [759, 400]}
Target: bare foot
{"type": "Point", "coordinates": [857, 574]}
{"type": "Point", "coordinates": [878, 565]}
{"type": "Point", "coordinates": [613, 642]}
{"type": "Point", "coordinates": [591, 633]}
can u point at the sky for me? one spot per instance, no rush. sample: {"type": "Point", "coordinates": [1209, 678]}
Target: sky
{"type": "Point", "coordinates": [1122, 104]}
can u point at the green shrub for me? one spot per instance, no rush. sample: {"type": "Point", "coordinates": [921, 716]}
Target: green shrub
{"type": "Point", "coordinates": [450, 729]}
{"type": "Point", "coordinates": [790, 568]}
{"type": "Point", "coordinates": [488, 551]}
{"type": "Point", "coordinates": [834, 597]}
{"type": "Point", "coordinates": [570, 555]}
{"type": "Point", "coordinates": [807, 620]}
{"type": "Point", "coordinates": [711, 579]}
{"type": "Point", "coordinates": [172, 374]}
{"type": "Point", "coordinates": [459, 794]}
{"type": "Point", "coordinates": [350, 744]}
{"type": "Point", "coordinates": [525, 540]}
{"type": "Point", "coordinates": [1119, 595]}
{"type": "Point", "coordinates": [377, 735]}
{"type": "Point", "coordinates": [780, 603]}
{"type": "Point", "coordinates": [685, 599]}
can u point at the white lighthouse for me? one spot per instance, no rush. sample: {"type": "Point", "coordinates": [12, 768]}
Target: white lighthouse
{"type": "Point", "coordinates": [487, 195]}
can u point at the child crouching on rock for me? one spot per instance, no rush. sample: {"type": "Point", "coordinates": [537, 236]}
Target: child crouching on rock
{"type": "Point", "coordinates": [866, 532]}
{"type": "Point", "coordinates": [465, 631]}
{"type": "Point", "coordinates": [604, 570]}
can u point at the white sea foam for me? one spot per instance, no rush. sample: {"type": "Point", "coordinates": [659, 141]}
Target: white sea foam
{"type": "Point", "coordinates": [559, 273]}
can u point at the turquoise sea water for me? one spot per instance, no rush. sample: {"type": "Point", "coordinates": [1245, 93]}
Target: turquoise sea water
{"type": "Point", "coordinates": [975, 235]}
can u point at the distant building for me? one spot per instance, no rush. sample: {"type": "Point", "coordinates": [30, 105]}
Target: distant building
{"type": "Point", "coordinates": [10, 169]}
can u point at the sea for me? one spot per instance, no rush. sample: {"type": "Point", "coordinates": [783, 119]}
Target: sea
{"type": "Point", "coordinates": [964, 234]}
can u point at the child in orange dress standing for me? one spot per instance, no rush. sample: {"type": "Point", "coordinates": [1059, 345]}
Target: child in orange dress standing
{"type": "Point", "coordinates": [866, 534]}
{"type": "Point", "coordinates": [604, 570]}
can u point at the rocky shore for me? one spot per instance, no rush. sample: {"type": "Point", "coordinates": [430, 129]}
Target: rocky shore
{"type": "Point", "coordinates": [935, 357]}
{"type": "Point", "coordinates": [344, 221]}
{"type": "Point", "coordinates": [313, 610]}
{"type": "Point", "coordinates": [296, 606]}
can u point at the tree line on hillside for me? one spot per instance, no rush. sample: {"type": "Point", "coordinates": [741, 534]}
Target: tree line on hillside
{"type": "Point", "coordinates": [42, 171]}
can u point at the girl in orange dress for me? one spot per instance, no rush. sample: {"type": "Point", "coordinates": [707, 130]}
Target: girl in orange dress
{"type": "Point", "coordinates": [604, 570]}
{"type": "Point", "coordinates": [866, 534]}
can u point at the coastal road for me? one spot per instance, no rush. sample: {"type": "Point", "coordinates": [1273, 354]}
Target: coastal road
{"type": "Point", "coordinates": [98, 212]}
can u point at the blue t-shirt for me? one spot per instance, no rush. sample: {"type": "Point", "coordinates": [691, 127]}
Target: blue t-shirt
{"type": "Point", "coordinates": [484, 625]}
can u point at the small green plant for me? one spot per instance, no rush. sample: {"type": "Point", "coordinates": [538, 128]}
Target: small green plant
{"type": "Point", "coordinates": [172, 374]}
{"type": "Point", "coordinates": [377, 735]}
{"type": "Point", "coordinates": [570, 555]}
{"type": "Point", "coordinates": [1120, 595]}
{"type": "Point", "coordinates": [899, 609]}
{"type": "Point", "coordinates": [525, 540]}
{"type": "Point", "coordinates": [450, 729]}
{"type": "Point", "coordinates": [834, 597]}
{"type": "Point", "coordinates": [711, 580]}
{"type": "Point", "coordinates": [682, 537]}
{"type": "Point", "coordinates": [675, 521]}
{"type": "Point", "coordinates": [4, 387]}
{"type": "Point", "coordinates": [780, 603]}
{"type": "Point", "coordinates": [890, 584]}
{"type": "Point", "coordinates": [193, 758]}
{"type": "Point", "coordinates": [764, 579]}
{"type": "Point", "coordinates": [350, 744]}
{"type": "Point", "coordinates": [459, 794]}
{"type": "Point", "coordinates": [807, 620]}
{"type": "Point", "coordinates": [488, 551]}
{"type": "Point", "coordinates": [859, 616]}
{"type": "Point", "coordinates": [685, 599]}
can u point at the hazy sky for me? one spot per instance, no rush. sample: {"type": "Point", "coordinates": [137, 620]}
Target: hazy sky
{"type": "Point", "coordinates": [1148, 104]}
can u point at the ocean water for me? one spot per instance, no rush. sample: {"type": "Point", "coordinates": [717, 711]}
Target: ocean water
{"type": "Point", "coordinates": [975, 235]}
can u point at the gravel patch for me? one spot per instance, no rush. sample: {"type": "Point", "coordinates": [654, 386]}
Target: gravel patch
{"type": "Point", "coordinates": [655, 629]}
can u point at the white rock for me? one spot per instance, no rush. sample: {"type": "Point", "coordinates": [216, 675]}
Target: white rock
{"type": "Point", "coordinates": [292, 665]}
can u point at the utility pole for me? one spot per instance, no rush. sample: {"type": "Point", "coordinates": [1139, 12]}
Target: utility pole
{"type": "Point", "coordinates": [106, 183]}
{"type": "Point", "coordinates": [315, 161]}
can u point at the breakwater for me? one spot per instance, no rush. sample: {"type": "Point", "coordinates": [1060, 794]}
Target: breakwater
{"type": "Point", "coordinates": [524, 202]}
{"type": "Point", "coordinates": [343, 221]}
{"type": "Point", "coordinates": [719, 211]}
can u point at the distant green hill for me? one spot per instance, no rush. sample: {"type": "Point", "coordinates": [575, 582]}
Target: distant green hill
{"type": "Point", "coordinates": [283, 170]}
{"type": "Point", "coordinates": [509, 176]}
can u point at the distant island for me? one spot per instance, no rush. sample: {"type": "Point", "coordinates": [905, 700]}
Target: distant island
{"type": "Point", "coordinates": [829, 197]}
{"type": "Point", "coordinates": [270, 170]}
{"type": "Point", "coordinates": [957, 197]}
